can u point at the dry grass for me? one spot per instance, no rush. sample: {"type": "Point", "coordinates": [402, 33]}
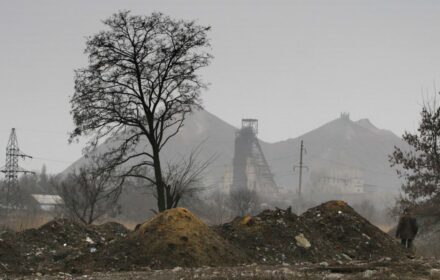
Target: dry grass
{"type": "Point", "coordinates": [21, 220]}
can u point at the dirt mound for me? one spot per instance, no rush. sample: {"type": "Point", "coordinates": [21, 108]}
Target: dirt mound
{"type": "Point", "coordinates": [110, 231]}
{"type": "Point", "coordinates": [46, 248]}
{"type": "Point", "coordinates": [10, 258]}
{"type": "Point", "coordinates": [58, 232]}
{"type": "Point", "coordinates": [332, 231]}
{"type": "Point", "coordinates": [55, 246]}
{"type": "Point", "coordinates": [276, 236]}
{"type": "Point", "coordinates": [173, 238]}
{"type": "Point", "coordinates": [349, 234]}
{"type": "Point", "coordinates": [177, 237]}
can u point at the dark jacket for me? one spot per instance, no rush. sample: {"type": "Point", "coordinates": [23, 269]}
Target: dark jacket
{"type": "Point", "coordinates": [407, 227]}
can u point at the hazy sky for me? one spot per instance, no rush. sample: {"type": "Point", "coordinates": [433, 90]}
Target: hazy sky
{"type": "Point", "coordinates": [294, 65]}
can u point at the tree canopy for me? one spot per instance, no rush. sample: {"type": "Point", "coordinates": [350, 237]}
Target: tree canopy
{"type": "Point", "coordinates": [141, 82]}
{"type": "Point", "coordinates": [419, 166]}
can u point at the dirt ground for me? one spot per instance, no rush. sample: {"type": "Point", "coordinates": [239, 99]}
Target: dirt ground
{"type": "Point", "coordinates": [330, 241]}
{"type": "Point", "coordinates": [333, 230]}
{"type": "Point", "coordinates": [409, 269]}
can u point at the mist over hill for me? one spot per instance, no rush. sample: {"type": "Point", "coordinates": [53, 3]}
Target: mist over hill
{"type": "Point", "coordinates": [340, 152]}
{"type": "Point", "coordinates": [358, 147]}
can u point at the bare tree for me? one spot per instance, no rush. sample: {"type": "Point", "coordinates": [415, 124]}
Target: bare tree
{"type": "Point", "coordinates": [185, 177]}
{"type": "Point", "coordinates": [140, 84]}
{"type": "Point", "coordinates": [89, 193]}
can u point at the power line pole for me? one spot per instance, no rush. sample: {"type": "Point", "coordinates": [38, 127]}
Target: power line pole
{"type": "Point", "coordinates": [11, 171]}
{"type": "Point", "coordinates": [301, 166]}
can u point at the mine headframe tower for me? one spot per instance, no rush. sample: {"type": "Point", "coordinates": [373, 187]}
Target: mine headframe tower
{"type": "Point", "coordinates": [248, 152]}
{"type": "Point", "coordinates": [11, 190]}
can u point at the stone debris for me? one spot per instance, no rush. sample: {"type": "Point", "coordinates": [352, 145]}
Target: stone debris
{"type": "Point", "coordinates": [349, 234]}
{"type": "Point", "coordinates": [435, 273]}
{"type": "Point", "coordinates": [403, 270]}
{"type": "Point", "coordinates": [55, 244]}
{"type": "Point", "coordinates": [368, 273]}
{"type": "Point", "coordinates": [330, 236]}
{"type": "Point", "coordinates": [302, 241]}
{"type": "Point", "coordinates": [334, 276]}
{"type": "Point", "coordinates": [331, 232]}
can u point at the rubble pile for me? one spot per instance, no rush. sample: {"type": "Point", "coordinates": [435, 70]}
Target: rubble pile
{"type": "Point", "coordinates": [330, 233]}
{"type": "Point", "coordinates": [173, 238]}
{"type": "Point", "coordinates": [349, 234]}
{"type": "Point", "coordinates": [8, 254]}
{"type": "Point", "coordinates": [53, 246]}
{"type": "Point", "coordinates": [276, 237]}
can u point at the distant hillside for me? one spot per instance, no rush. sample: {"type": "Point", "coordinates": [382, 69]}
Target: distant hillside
{"type": "Point", "coordinates": [201, 128]}
{"type": "Point", "coordinates": [339, 144]}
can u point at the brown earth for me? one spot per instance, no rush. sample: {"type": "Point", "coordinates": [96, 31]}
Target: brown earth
{"type": "Point", "coordinates": [409, 269]}
{"type": "Point", "coordinates": [333, 229]}
{"type": "Point", "coordinates": [54, 246]}
{"type": "Point", "coordinates": [270, 238]}
{"type": "Point", "coordinates": [350, 234]}
{"type": "Point", "coordinates": [177, 237]}
{"type": "Point", "coordinates": [332, 232]}
{"type": "Point", "coordinates": [172, 238]}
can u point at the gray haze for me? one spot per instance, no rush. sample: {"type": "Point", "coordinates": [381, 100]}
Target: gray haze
{"type": "Point", "coordinates": [294, 65]}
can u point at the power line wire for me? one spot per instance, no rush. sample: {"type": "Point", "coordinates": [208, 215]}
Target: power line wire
{"type": "Point", "coordinates": [54, 160]}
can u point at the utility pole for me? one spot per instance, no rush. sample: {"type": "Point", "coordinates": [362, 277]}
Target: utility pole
{"type": "Point", "coordinates": [11, 171]}
{"type": "Point", "coordinates": [301, 166]}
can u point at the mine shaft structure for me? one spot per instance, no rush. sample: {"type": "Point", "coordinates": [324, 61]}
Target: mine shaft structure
{"type": "Point", "coordinates": [11, 169]}
{"type": "Point", "coordinates": [250, 168]}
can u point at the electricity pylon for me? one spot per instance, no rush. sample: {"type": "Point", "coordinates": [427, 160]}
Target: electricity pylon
{"type": "Point", "coordinates": [11, 171]}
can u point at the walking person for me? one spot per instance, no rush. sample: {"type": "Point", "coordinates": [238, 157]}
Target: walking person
{"type": "Point", "coordinates": [407, 228]}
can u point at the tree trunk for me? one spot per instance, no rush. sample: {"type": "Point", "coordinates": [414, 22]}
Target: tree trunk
{"type": "Point", "coordinates": [160, 188]}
